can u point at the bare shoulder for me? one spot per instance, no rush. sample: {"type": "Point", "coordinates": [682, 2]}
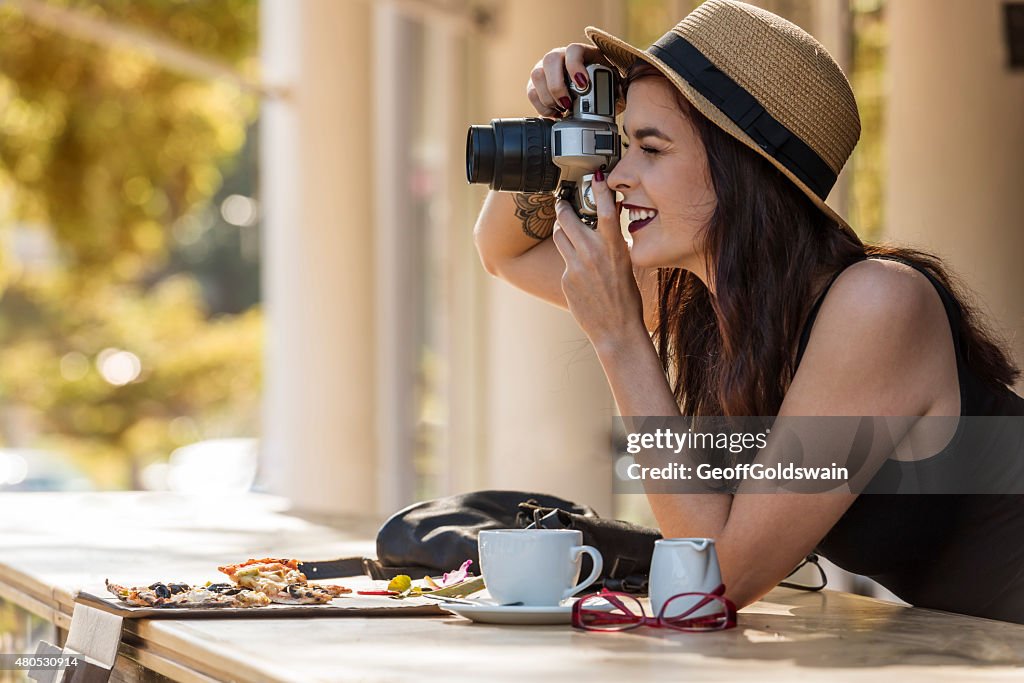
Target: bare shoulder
{"type": "Point", "coordinates": [882, 288]}
{"type": "Point", "coordinates": [882, 340]}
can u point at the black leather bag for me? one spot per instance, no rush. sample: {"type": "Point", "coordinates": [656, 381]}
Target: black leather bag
{"type": "Point", "coordinates": [436, 536]}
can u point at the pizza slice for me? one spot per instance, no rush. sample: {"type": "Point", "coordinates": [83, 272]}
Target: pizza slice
{"type": "Point", "coordinates": [183, 595]}
{"type": "Point", "coordinates": [266, 576]}
{"type": "Point", "coordinates": [277, 577]}
{"type": "Point", "coordinates": [232, 569]}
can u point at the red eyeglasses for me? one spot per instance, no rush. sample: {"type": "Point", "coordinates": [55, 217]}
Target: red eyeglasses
{"type": "Point", "coordinates": [611, 611]}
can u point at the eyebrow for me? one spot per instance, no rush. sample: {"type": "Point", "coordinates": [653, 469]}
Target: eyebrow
{"type": "Point", "coordinates": [651, 132]}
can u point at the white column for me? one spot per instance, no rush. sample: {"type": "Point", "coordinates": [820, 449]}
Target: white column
{"type": "Point", "coordinates": [955, 133]}
{"type": "Point", "coordinates": [549, 408]}
{"type": "Point", "coordinates": [316, 188]}
{"type": "Point", "coordinates": [398, 316]}
{"type": "Point", "coordinates": [461, 280]}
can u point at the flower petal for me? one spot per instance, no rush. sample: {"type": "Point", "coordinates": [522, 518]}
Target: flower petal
{"type": "Point", "coordinates": [456, 576]}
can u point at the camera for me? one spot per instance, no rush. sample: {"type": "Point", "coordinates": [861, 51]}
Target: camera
{"type": "Point", "coordinates": [536, 155]}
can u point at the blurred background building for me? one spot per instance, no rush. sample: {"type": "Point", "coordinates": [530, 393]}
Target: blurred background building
{"type": "Point", "coordinates": [245, 219]}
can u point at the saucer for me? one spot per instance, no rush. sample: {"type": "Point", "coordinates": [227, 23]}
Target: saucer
{"type": "Point", "coordinates": [491, 613]}
{"type": "Point", "coordinates": [487, 613]}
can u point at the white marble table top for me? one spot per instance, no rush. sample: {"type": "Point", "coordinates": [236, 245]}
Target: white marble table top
{"type": "Point", "coordinates": [52, 545]}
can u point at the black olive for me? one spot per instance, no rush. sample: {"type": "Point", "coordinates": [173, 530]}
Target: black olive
{"type": "Point", "coordinates": [177, 588]}
{"type": "Point", "coordinates": [219, 587]}
{"type": "Point", "coordinates": [161, 590]}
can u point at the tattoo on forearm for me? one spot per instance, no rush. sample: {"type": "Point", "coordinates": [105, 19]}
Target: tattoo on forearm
{"type": "Point", "coordinates": [537, 212]}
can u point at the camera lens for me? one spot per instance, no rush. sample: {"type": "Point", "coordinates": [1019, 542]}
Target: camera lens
{"type": "Point", "coordinates": [512, 155]}
{"type": "Point", "coordinates": [480, 148]}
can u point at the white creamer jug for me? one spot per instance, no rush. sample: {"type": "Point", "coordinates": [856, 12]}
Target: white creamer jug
{"type": "Point", "coordinates": [683, 565]}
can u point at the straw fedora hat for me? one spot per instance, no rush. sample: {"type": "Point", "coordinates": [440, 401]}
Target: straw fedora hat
{"type": "Point", "coordinates": [764, 81]}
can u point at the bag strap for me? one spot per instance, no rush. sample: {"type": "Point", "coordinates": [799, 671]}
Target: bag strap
{"type": "Point", "coordinates": [810, 559]}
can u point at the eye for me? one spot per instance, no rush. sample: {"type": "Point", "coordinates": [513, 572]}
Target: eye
{"type": "Point", "coordinates": [646, 150]}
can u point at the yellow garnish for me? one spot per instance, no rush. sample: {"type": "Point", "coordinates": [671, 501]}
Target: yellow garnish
{"type": "Point", "coordinates": [400, 583]}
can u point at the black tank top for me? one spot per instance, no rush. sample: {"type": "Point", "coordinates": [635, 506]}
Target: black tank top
{"type": "Point", "coordinates": [955, 552]}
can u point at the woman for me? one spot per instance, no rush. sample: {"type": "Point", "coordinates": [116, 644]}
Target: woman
{"type": "Point", "coordinates": [762, 301]}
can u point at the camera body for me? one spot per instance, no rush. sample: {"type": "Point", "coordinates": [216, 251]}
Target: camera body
{"type": "Point", "coordinates": [536, 155]}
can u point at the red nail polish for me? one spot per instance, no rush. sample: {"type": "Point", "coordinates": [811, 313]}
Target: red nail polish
{"type": "Point", "coordinates": [581, 79]}
{"type": "Point", "coordinates": [566, 103]}
{"type": "Point", "coordinates": [599, 176]}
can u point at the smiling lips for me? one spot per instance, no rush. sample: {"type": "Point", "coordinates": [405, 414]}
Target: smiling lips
{"type": "Point", "coordinates": [639, 216]}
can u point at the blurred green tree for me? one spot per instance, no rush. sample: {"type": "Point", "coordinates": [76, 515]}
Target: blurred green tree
{"type": "Point", "coordinates": [107, 348]}
{"type": "Point", "coordinates": [870, 40]}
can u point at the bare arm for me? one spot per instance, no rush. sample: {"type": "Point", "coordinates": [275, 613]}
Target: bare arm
{"type": "Point", "coordinates": [640, 388]}
{"type": "Point", "coordinates": [513, 238]}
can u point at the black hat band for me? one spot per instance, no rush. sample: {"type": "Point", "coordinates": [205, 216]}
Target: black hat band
{"type": "Point", "coordinates": [745, 111]}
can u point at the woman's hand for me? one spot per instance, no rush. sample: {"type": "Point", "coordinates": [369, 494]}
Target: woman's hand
{"type": "Point", "coordinates": [598, 282]}
{"type": "Point", "coordinates": [546, 90]}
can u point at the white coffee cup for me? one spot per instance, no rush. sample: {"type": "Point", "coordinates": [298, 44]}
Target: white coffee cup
{"type": "Point", "coordinates": [683, 565]}
{"type": "Point", "coordinates": [536, 567]}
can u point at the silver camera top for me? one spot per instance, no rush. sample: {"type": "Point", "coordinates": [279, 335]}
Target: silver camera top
{"type": "Point", "coordinates": [597, 100]}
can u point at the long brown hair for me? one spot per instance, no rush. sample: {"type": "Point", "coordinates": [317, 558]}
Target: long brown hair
{"type": "Point", "coordinates": [766, 246]}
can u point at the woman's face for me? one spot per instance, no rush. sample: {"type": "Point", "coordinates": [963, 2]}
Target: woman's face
{"type": "Point", "coordinates": [663, 171]}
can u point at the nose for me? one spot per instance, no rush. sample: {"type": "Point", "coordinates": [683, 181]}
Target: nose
{"type": "Point", "coordinates": [623, 176]}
